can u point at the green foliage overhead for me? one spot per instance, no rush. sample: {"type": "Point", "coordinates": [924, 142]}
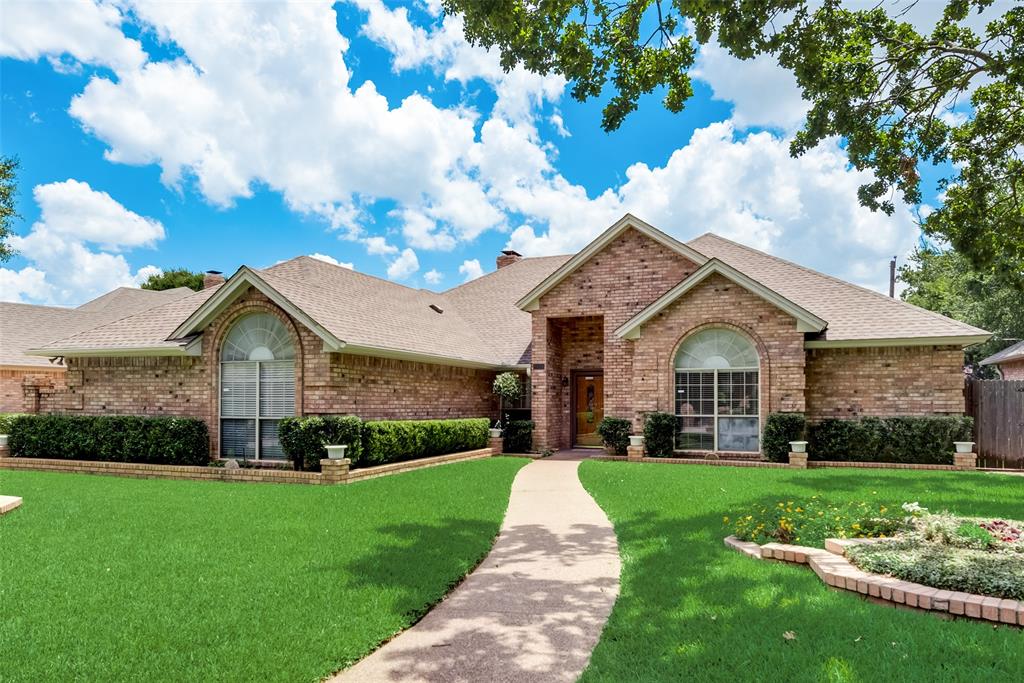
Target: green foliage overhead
{"type": "Point", "coordinates": [947, 283]}
{"type": "Point", "coordinates": [179, 277]}
{"type": "Point", "coordinates": [869, 76]}
{"type": "Point", "coordinates": [8, 191]}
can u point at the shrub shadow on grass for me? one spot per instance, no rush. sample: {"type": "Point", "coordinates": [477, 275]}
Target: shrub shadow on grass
{"type": "Point", "coordinates": [534, 607]}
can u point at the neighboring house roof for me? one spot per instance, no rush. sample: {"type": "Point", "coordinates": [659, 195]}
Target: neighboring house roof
{"type": "Point", "coordinates": [483, 322]}
{"type": "Point", "coordinates": [805, 320]}
{"type": "Point", "coordinates": [855, 315]}
{"type": "Point", "coordinates": [1007, 355]}
{"type": "Point", "coordinates": [27, 326]}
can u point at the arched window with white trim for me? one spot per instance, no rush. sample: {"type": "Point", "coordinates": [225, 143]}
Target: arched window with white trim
{"type": "Point", "coordinates": [257, 387]}
{"type": "Point", "coordinates": [717, 392]}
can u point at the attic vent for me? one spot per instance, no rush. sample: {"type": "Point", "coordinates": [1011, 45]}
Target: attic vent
{"type": "Point", "coordinates": [436, 309]}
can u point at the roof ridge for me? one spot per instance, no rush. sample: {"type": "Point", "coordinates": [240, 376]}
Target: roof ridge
{"type": "Point", "coordinates": [496, 270]}
{"type": "Point", "coordinates": [879, 295]}
{"type": "Point", "coordinates": [350, 271]}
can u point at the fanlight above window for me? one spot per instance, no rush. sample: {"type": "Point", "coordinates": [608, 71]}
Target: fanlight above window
{"type": "Point", "coordinates": [716, 349]}
{"type": "Point", "coordinates": [258, 337]}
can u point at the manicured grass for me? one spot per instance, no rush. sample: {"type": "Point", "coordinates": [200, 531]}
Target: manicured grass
{"type": "Point", "coordinates": [103, 578]}
{"type": "Point", "coordinates": [691, 609]}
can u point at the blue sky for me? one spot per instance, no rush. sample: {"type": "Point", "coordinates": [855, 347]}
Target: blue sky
{"type": "Point", "coordinates": [211, 136]}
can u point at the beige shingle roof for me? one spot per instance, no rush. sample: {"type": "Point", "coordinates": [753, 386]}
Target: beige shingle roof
{"type": "Point", "coordinates": [1011, 353]}
{"type": "Point", "coordinates": [853, 313]}
{"type": "Point", "coordinates": [26, 326]}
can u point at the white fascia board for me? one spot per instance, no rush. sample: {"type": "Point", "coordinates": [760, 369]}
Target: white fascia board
{"type": "Point", "coordinates": [110, 351]}
{"type": "Point", "coordinates": [417, 357]}
{"type": "Point", "coordinates": [805, 320]}
{"type": "Point", "coordinates": [530, 301]}
{"type": "Point", "coordinates": [962, 341]}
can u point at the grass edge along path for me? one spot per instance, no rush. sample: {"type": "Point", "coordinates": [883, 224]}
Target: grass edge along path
{"type": "Point", "coordinates": [691, 609]}
{"type": "Point", "coordinates": [115, 579]}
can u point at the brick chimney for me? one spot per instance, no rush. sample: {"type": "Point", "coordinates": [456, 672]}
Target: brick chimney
{"type": "Point", "coordinates": [212, 278]}
{"type": "Point", "coordinates": [508, 257]}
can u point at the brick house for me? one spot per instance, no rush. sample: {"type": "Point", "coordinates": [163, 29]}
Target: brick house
{"type": "Point", "coordinates": [1009, 361]}
{"type": "Point", "coordinates": [715, 332]}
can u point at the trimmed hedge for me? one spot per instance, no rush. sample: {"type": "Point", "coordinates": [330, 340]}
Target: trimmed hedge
{"type": "Point", "coordinates": [5, 421]}
{"type": "Point", "coordinates": [779, 430]}
{"type": "Point", "coordinates": [915, 439]}
{"type": "Point", "coordinates": [114, 438]}
{"type": "Point", "coordinates": [659, 434]}
{"type": "Point", "coordinates": [303, 438]}
{"type": "Point", "coordinates": [519, 436]}
{"type": "Point", "coordinates": [615, 433]}
{"type": "Point", "coordinates": [393, 441]}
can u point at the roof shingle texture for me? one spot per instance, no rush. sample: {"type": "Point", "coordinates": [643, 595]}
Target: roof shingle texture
{"type": "Point", "coordinates": [1010, 353]}
{"type": "Point", "coordinates": [26, 326]}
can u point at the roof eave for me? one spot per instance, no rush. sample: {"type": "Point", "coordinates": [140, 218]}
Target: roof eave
{"type": "Point", "coordinates": [530, 302]}
{"type": "Point", "coordinates": [805, 320]}
{"type": "Point", "coordinates": [962, 340]}
{"type": "Point", "coordinates": [107, 351]}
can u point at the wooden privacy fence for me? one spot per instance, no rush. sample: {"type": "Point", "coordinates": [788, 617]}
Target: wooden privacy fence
{"type": "Point", "coordinates": [997, 407]}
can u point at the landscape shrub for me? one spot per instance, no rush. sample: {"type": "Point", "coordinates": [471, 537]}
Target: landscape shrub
{"type": "Point", "coordinates": [303, 438]}
{"type": "Point", "coordinates": [779, 430]}
{"type": "Point", "coordinates": [396, 440]}
{"type": "Point", "coordinates": [659, 433]}
{"type": "Point", "coordinates": [921, 439]}
{"type": "Point", "coordinates": [615, 433]}
{"type": "Point", "coordinates": [5, 421]}
{"type": "Point", "coordinates": [115, 438]}
{"type": "Point", "coordinates": [519, 436]}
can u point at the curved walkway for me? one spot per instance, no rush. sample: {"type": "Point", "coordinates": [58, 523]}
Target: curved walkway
{"type": "Point", "coordinates": [533, 610]}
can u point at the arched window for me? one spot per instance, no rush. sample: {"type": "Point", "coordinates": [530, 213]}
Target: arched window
{"type": "Point", "coordinates": [717, 403]}
{"type": "Point", "coordinates": [257, 387]}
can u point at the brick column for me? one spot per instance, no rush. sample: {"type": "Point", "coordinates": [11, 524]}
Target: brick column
{"type": "Point", "coordinates": [334, 471]}
{"type": "Point", "coordinates": [798, 461]}
{"type": "Point", "coordinates": [5, 451]}
{"type": "Point", "coordinates": [634, 452]}
{"type": "Point", "coordinates": [965, 461]}
{"type": "Point", "coordinates": [496, 444]}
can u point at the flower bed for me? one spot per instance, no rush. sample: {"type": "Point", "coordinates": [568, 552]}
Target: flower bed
{"type": "Point", "coordinates": [811, 521]}
{"type": "Point", "coordinates": [973, 555]}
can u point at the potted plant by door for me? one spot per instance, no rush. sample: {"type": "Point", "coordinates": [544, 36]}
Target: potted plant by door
{"type": "Point", "coordinates": [509, 388]}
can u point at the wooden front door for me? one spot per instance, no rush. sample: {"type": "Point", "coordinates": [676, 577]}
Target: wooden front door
{"type": "Point", "coordinates": [587, 407]}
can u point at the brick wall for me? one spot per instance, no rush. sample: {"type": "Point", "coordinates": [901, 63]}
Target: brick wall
{"type": "Point", "coordinates": [373, 388]}
{"type": "Point", "coordinates": [581, 347]}
{"type": "Point", "coordinates": [913, 380]}
{"type": "Point", "coordinates": [615, 284]}
{"type": "Point", "coordinates": [1012, 370]}
{"type": "Point", "coordinates": [717, 302]}
{"type": "Point", "coordinates": [18, 387]}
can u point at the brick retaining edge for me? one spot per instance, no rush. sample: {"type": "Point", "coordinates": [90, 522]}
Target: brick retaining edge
{"type": "Point", "coordinates": [832, 567]}
{"type": "Point", "coordinates": [810, 464]}
{"type": "Point", "coordinates": [342, 475]}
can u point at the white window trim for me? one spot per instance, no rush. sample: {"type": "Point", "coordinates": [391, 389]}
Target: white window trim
{"type": "Point", "coordinates": [717, 416]}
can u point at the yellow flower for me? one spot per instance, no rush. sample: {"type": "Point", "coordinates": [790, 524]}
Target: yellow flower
{"type": "Point", "coordinates": [799, 509]}
{"type": "Point", "coordinates": [725, 520]}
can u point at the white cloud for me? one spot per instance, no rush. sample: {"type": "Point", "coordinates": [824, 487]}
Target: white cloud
{"type": "Point", "coordinates": [471, 269]}
{"type": "Point", "coordinates": [433, 276]}
{"type": "Point", "coordinates": [84, 30]}
{"type": "Point", "coordinates": [405, 265]}
{"type": "Point", "coordinates": [378, 246]}
{"type": "Point", "coordinates": [333, 261]}
{"type": "Point", "coordinates": [64, 268]}
{"type": "Point", "coordinates": [422, 232]}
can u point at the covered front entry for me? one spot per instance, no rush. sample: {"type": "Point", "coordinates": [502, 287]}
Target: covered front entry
{"type": "Point", "coordinates": [587, 407]}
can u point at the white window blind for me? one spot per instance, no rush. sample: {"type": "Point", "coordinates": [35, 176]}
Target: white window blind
{"type": "Point", "coordinates": [277, 388]}
{"type": "Point", "coordinates": [238, 396]}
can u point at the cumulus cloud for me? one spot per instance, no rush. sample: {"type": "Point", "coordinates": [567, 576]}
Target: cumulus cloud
{"type": "Point", "coordinates": [433, 276]}
{"type": "Point", "coordinates": [66, 267]}
{"type": "Point", "coordinates": [68, 33]}
{"type": "Point", "coordinates": [333, 261]}
{"type": "Point", "coordinates": [405, 265]}
{"type": "Point", "coordinates": [379, 246]}
{"type": "Point", "coordinates": [471, 269]}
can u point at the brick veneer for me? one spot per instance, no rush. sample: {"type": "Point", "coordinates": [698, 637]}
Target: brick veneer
{"type": "Point", "coordinates": [20, 386]}
{"type": "Point", "coordinates": [373, 388]}
{"type": "Point", "coordinates": [615, 284]}
{"type": "Point", "coordinates": [1012, 370]}
{"type": "Point", "coordinates": [913, 380]}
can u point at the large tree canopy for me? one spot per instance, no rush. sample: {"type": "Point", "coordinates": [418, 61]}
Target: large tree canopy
{"type": "Point", "coordinates": [945, 282]}
{"type": "Point", "coordinates": [869, 76]}
{"type": "Point", "coordinates": [8, 193]}
{"type": "Point", "coordinates": [178, 277]}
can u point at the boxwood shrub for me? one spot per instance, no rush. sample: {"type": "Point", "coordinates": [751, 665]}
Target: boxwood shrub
{"type": "Point", "coordinates": [396, 440]}
{"type": "Point", "coordinates": [614, 433]}
{"type": "Point", "coordinates": [519, 436]}
{"type": "Point", "coordinates": [116, 438]}
{"type": "Point", "coordinates": [5, 421]}
{"type": "Point", "coordinates": [779, 430]}
{"type": "Point", "coordinates": [659, 434]}
{"type": "Point", "coordinates": [303, 438]}
{"type": "Point", "coordinates": [920, 439]}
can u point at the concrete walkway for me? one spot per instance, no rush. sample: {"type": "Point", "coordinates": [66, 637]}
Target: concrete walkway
{"type": "Point", "coordinates": [534, 609]}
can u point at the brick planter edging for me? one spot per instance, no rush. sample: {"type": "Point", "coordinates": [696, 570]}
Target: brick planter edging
{"type": "Point", "coordinates": [243, 474]}
{"type": "Point", "coordinates": [810, 464]}
{"type": "Point", "coordinates": [834, 569]}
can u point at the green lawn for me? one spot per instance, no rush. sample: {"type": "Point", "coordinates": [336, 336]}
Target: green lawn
{"type": "Point", "coordinates": [103, 578]}
{"type": "Point", "coordinates": [691, 609]}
